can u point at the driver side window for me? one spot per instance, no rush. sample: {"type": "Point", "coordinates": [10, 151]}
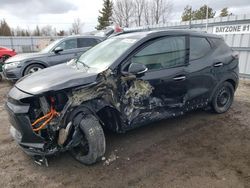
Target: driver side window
{"type": "Point", "coordinates": [164, 53]}
{"type": "Point", "coordinates": [68, 44]}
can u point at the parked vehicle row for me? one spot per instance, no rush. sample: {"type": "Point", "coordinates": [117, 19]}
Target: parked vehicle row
{"type": "Point", "coordinates": [59, 51]}
{"type": "Point", "coordinates": [5, 53]}
{"type": "Point", "coordinates": [124, 82]}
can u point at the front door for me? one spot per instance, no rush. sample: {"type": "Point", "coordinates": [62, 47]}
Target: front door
{"type": "Point", "coordinates": [163, 86]}
{"type": "Point", "coordinates": [69, 52]}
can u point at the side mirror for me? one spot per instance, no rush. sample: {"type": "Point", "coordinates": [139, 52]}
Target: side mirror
{"type": "Point", "coordinates": [58, 49]}
{"type": "Point", "coordinates": [137, 68]}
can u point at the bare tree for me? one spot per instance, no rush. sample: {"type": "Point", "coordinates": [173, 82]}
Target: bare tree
{"type": "Point", "coordinates": [161, 10]}
{"type": "Point", "coordinates": [123, 12]}
{"type": "Point", "coordinates": [127, 13]}
{"type": "Point", "coordinates": [146, 13]}
{"type": "Point", "coordinates": [76, 27]}
{"type": "Point", "coordinates": [139, 9]}
{"type": "Point", "coordinates": [47, 30]}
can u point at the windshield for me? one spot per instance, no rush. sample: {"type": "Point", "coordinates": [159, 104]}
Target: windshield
{"type": "Point", "coordinates": [50, 46]}
{"type": "Point", "coordinates": [105, 53]}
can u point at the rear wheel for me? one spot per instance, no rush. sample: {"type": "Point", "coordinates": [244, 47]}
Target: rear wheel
{"type": "Point", "coordinates": [33, 68]}
{"type": "Point", "coordinates": [92, 145]}
{"type": "Point", "coordinates": [223, 98]}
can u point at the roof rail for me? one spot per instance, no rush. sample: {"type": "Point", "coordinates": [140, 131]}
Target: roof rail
{"type": "Point", "coordinates": [124, 32]}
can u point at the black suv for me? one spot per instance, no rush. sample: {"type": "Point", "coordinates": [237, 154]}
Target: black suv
{"type": "Point", "coordinates": [59, 51]}
{"type": "Point", "coordinates": [127, 81]}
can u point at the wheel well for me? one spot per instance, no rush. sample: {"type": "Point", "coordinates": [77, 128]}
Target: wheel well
{"type": "Point", "coordinates": [33, 64]}
{"type": "Point", "coordinates": [231, 82]}
{"type": "Point", "coordinates": [110, 117]}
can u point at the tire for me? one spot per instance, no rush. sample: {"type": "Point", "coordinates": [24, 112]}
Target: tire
{"type": "Point", "coordinates": [96, 144]}
{"type": "Point", "coordinates": [33, 68]}
{"type": "Point", "coordinates": [223, 98]}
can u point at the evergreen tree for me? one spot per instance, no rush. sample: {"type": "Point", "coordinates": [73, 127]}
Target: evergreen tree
{"type": "Point", "coordinates": [104, 19]}
{"type": "Point", "coordinates": [201, 13]}
{"type": "Point", "coordinates": [61, 33]}
{"type": "Point", "coordinates": [4, 28]}
{"type": "Point", "coordinates": [187, 14]}
{"type": "Point", "coordinates": [224, 12]}
{"type": "Point", "coordinates": [37, 31]}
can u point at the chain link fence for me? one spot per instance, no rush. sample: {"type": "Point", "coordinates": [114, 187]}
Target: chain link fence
{"type": "Point", "coordinates": [26, 44]}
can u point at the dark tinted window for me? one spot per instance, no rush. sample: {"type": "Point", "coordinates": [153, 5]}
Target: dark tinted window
{"type": "Point", "coordinates": [199, 47]}
{"type": "Point", "coordinates": [163, 53]}
{"type": "Point", "coordinates": [68, 44]}
{"type": "Point", "coordinates": [86, 42]}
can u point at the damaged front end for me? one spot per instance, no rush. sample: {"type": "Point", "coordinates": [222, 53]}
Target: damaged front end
{"type": "Point", "coordinates": [45, 124]}
{"type": "Point", "coordinates": [35, 121]}
{"type": "Point", "coordinates": [48, 123]}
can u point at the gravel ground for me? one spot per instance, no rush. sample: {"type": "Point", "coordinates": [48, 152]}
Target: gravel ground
{"type": "Point", "coordinates": [200, 149]}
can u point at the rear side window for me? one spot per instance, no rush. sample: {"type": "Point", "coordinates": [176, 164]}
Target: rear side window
{"type": "Point", "coordinates": [68, 44]}
{"type": "Point", "coordinates": [86, 42]}
{"type": "Point", "coordinates": [199, 47]}
{"type": "Point", "coordinates": [163, 53]}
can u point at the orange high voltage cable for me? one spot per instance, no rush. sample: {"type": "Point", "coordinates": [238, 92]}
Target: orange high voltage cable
{"type": "Point", "coordinates": [49, 116]}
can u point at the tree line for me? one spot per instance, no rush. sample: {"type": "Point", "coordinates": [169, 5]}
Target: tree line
{"type": "Point", "coordinates": [48, 30]}
{"type": "Point", "coordinates": [201, 13]}
{"type": "Point", "coordinates": [127, 13]}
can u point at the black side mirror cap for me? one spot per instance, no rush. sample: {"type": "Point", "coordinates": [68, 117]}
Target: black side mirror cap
{"type": "Point", "coordinates": [58, 49]}
{"type": "Point", "coordinates": [137, 68]}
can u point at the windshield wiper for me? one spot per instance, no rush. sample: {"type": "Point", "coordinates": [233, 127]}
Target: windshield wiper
{"type": "Point", "coordinates": [85, 65]}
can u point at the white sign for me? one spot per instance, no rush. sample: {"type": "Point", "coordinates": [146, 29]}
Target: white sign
{"type": "Point", "coordinates": [231, 29]}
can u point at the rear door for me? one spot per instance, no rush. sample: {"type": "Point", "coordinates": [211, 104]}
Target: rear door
{"type": "Point", "coordinates": [222, 57]}
{"type": "Point", "coordinates": [200, 77]}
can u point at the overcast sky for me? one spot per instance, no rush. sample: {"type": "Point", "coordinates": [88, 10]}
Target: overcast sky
{"type": "Point", "coordinates": [61, 13]}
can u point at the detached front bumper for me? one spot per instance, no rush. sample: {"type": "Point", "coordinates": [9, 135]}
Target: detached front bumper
{"type": "Point", "coordinates": [21, 128]}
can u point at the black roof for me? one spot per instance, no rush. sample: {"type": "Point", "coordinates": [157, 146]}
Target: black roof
{"type": "Point", "coordinates": [142, 34]}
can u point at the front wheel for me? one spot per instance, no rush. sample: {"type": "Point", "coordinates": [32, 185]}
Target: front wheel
{"type": "Point", "coordinates": [92, 145]}
{"type": "Point", "coordinates": [223, 98]}
{"type": "Point", "coordinates": [33, 68]}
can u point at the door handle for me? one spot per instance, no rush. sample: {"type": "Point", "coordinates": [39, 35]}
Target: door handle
{"type": "Point", "coordinates": [218, 64]}
{"type": "Point", "coordinates": [179, 78]}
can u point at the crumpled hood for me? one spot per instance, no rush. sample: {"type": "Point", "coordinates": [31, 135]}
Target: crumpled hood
{"type": "Point", "coordinates": [25, 56]}
{"type": "Point", "coordinates": [56, 78]}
